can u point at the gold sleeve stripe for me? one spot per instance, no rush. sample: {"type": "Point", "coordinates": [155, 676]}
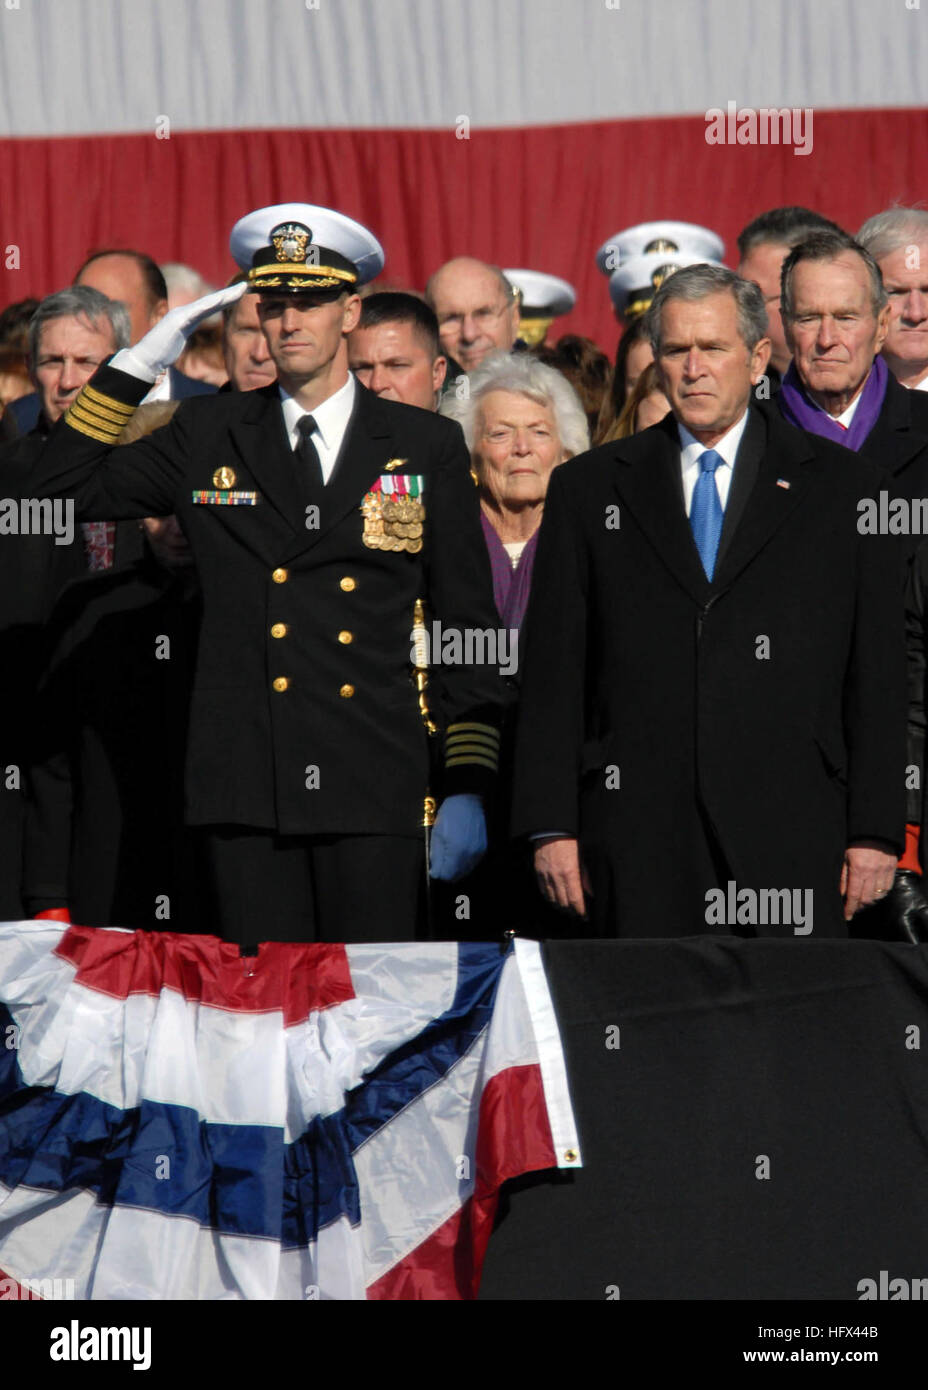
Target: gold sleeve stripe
{"type": "Point", "coordinates": [470, 762]}
{"type": "Point", "coordinates": [102, 412]}
{"type": "Point", "coordinates": [93, 417]}
{"type": "Point", "coordinates": [76, 423]}
{"type": "Point", "coordinates": [79, 415]}
{"type": "Point", "coordinates": [107, 402]}
{"type": "Point", "coordinates": [487, 729]}
{"type": "Point", "coordinates": [454, 745]}
{"type": "Point", "coordinates": [471, 746]}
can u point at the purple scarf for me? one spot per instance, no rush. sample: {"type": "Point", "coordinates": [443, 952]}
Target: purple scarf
{"type": "Point", "coordinates": [800, 411]}
{"type": "Point", "coordinates": [510, 586]}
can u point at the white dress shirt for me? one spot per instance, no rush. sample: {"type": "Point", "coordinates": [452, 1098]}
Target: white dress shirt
{"type": "Point", "coordinates": [331, 419]}
{"type": "Point", "coordinates": [691, 451]}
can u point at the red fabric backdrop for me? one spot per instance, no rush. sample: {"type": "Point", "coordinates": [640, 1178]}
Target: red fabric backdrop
{"type": "Point", "coordinates": [542, 197]}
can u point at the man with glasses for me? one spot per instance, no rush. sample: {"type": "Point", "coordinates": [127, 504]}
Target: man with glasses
{"type": "Point", "coordinates": [477, 310]}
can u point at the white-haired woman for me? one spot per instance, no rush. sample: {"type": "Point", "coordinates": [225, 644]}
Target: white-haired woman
{"type": "Point", "coordinates": [520, 419]}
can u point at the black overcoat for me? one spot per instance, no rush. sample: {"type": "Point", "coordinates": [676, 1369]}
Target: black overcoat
{"type": "Point", "coordinates": [767, 707]}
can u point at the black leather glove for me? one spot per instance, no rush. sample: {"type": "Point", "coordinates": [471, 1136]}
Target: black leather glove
{"type": "Point", "coordinates": [907, 906]}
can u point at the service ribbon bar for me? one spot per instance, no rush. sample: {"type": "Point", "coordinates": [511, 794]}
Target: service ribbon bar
{"type": "Point", "coordinates": [400, 484]}
{"type": "Point", "coordinates": [203, 497]}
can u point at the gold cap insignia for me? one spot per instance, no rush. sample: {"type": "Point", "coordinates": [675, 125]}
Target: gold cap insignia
{"type": "Point", "coordinates": [662, 273]}
{"type": "Point", "coordinates": [661, 243]}
{"type": "Point", "coordinates": [224, 477]}
{"type": "Point", "coordinates": [290, 241]}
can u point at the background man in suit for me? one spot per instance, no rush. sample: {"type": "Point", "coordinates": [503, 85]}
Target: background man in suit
{"type": "Point", "coordinates": [714, 658]}
{"type": "Point", "coordinates": [763, 246]}
{"type": "Point", "coordinates": [897, 239]}
{"type": "Point", "coordinates": [477, 311]}
{"type": "Point", "coordinates": [395, 351]}
{"type": "Point", "coordinates": [70, 334]}
{"type": "Point", "coordinates": [133, 279]}
{"type": "Point", "coordinates": [317, 515]}
{"type": "Point", "coordinates": [105, 843]}
{"type": "Point", "coordinates": [838, 315]}
{"type": "Point", "coordinates": [244, 346]}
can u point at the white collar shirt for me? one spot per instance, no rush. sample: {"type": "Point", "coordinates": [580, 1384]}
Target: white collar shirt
{"type": "Point", "coordinates": [691, 451]}
{"type": "Point", "coordinates": [331, 419]}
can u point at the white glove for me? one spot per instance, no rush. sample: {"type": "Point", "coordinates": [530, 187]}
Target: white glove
{"type": "Point", "coordinates": [164, 343]}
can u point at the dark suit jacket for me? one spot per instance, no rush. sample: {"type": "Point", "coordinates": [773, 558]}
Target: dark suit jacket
{"type": "Point", "coordinates": [183, 386]}
{"type": "Point", "coordinates": [33, 570]}
{"type": "Point", "coordinates": [898, 442]}
{"type": "Point", "coordinates": [104, 833]}
{"type": "Point", "coordinates": [916, 634]}
{"type": "Point", "coordinates": [315, 607]}
{"type": "Point", "coordinates": [767, 706]}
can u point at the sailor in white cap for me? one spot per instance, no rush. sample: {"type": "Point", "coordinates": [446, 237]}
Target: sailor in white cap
{"type": "Point", "coordinates": [542, 298]}
{"type": "Point", "coordinates": [321, 519]}
{"type": "Point", "coordinates": [685, 238]}
{"type": "Point", "coordinates": [635, 283]}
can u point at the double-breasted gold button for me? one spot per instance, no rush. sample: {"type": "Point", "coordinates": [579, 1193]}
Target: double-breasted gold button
{"type": "Point", "coordinates": [280, 576]}
{"type": "Point", "coordinates": [348, 584]}
{"type": "Point", "coordinates": [345, 637]}
{"type": "Point", "coordinates": [279, 630]}
{"type": "Point", "coordinates": [346, 692]}
{"type": "Point", "coordinates": [281, 683]}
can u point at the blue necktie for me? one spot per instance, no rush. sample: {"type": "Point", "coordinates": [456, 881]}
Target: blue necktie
{"type": "Point", "coordinates": [706, 511]}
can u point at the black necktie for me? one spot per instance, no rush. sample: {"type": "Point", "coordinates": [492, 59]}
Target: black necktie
{"type": "Point", "coordinates": [308, 455]}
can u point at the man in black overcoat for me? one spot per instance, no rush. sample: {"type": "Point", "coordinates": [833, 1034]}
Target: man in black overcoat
{"type": "Point", "coordinates": [712, 730]}
{"type": "Point", "coordinates": [41, 546]}
{"type": "Point", "coordinates": [837, 315]}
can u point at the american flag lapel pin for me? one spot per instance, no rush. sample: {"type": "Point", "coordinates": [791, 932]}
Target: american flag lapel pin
{"type": "Point", "coordinates": [782, 482]}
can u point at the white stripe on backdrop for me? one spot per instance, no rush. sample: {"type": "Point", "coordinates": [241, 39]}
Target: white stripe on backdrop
{"type": "Point", "coordinates": [70, 67]}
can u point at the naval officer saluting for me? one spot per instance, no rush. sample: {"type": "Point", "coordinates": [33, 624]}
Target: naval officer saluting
{"type": "Point", "coordinates": [318, 515]}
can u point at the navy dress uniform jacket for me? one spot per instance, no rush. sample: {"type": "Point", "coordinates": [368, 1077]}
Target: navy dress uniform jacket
{"type": "Point", "coordinates": [304, 718]}
{"type": "Point", "coordinates": [789, 749]}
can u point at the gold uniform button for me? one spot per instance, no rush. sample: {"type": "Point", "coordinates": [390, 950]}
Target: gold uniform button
{"type": "Point", "coordinates": [346, 637]}
{"type": "Point", "coordinates": [280, 576]}
{"type": "Point", "coordinates": [281, 683]}
{"type": "Point", "coordinates": [348, 584]}
{"type": "Point", "coordinates": [346, 692]}
{"type": "Point", "coordinates": [279, 630]}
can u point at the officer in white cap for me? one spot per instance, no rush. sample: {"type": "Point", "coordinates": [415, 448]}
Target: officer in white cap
{"type": "Point", "coordinates": [321, 519]}
{"type": "Point", "coordinates": [683, 238]}
{"type": "Point", "coordinates": [542, 299]}
{"type": "Point", "coordinates": [635, 283]}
